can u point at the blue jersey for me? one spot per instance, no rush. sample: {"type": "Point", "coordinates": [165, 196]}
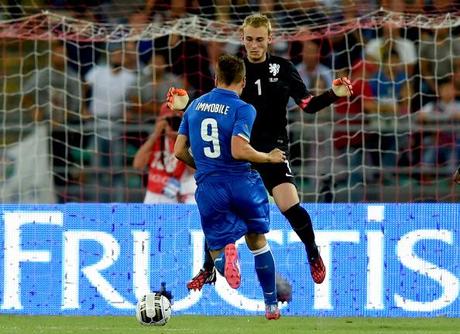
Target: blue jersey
{"type": "Point", "coordinates": [210, 122]}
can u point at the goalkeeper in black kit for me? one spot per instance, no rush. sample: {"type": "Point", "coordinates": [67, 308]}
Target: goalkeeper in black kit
{"type": "Point", "coordinates": [270, 81]}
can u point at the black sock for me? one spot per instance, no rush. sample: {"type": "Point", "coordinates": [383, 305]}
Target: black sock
{"type": "Point", "coordinates": [301, 223]}
{"type": "Point", "coordinates": [208, 262]}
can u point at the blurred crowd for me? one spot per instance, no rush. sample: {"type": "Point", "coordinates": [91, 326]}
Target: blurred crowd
{"type": "Point", "coordinates": [404, 112]}
{"type": "Point", "coordinates": [284, 13]}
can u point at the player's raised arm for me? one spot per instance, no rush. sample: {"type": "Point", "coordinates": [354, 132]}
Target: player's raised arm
{"type": "Point", "coordinates": [242, 150]}
{"type": "Point", "coordinates": [341, 87]}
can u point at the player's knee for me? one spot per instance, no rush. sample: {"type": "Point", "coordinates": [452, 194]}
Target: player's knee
{"type": "Point", "coordinates": [255, 241]}
{"type": "Point", "coordinates": [285, 195]}
{"type": "Point", "coordinates": [297, 216]}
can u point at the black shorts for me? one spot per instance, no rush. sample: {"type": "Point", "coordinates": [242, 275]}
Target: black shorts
{"type": "Point", "coordinates": [274, 174]}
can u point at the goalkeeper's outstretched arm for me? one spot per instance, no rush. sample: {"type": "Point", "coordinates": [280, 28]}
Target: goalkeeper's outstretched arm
{"type": "Point", "coordinates": [341, 87]}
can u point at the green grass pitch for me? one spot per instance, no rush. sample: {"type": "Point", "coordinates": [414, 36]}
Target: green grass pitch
{"type": "Point", "coordinates": [222, 325]}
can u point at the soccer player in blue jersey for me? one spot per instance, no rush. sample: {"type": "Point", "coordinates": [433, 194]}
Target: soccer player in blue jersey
{"type": "Point", "coordinates": [231, 197]}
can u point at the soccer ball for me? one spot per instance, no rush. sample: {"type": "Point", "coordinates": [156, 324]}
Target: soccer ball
{"type": "Point", "coordinates": [153, 309]}
{"type": "Point", "coordinates": [283, 289]}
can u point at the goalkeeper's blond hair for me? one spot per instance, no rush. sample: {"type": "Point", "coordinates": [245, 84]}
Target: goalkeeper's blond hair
{"type": "Point", "coordinates": [256, 21]}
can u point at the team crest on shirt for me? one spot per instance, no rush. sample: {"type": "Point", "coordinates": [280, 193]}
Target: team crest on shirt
{"type": "Point", "coordinates": [274, 69]}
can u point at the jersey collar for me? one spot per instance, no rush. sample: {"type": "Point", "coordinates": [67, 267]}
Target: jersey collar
{"type": "Point", "coordinates": [225, 91]}
{"type": "Point", "coordinates": [267, 59]}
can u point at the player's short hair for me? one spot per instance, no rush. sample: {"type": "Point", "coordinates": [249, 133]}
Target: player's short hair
{"type": "Point", "coordinates": [257, 20]}
{"type": "Point", "coordinates": [230, 69]}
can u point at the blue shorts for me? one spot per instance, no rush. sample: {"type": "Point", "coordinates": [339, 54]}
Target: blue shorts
{"type": "Point", "coordinates": [232, 206]}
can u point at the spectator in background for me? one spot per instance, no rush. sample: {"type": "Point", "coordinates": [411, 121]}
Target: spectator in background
{"type": "Point", "coordinates": [391, 39]}
{"type": "Point", "coordinates": [313, 148]}
{"type": "Point", "coordinates": [84, 54]}
{"type": "Point", "coordinates": [55, 94]}
{"type": "Point", "coordinates": [316, 76]}
{"type": "Point", "coordinates": [341, 52]}
{"type": "Point", "coordinates": [401, 6]}
{"type": "Point", "coordinates": [337, 52]}
{"type": "Point", "coordinates": [392, 91]}
{"type": "Point", "coordinates": [290, 14]}
{"type": "Point", "coordinates": [350, 136]}
{"type": "Point", "coordinates": [153, 86]}
{"type": "Point", "coordinates": [390, 85]}
{"type": "Point", "coordinates": [437, 53]}
{"type": "Point", "coordinates": [442, 6]}
{"type": "Point", "coordinates": [194, 67]}
{"type": "Point", "coordinates": [131, 60]}
{"type": "Point", "coordinates": [109, 85]}
{"type": "Point", "coordinates": [163, 10]}
{"type": "Point", "coordinates": [85, 10]}
{"type": "Point", "coordinates": [215, 49]}
{"type": "Point", "coordinates": [439, 145]}
{"type": "Point", "coordinates": [138, 22]}
{"type": "Point", "coordinates": [169, 180]}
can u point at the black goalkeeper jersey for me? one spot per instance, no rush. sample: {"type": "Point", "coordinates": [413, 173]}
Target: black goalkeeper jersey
{"type": "Point", "coordinates": [268, 88]}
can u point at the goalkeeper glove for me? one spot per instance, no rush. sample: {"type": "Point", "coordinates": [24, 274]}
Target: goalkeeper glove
{"type": "Point", "coordinates": [177, 98]}
{"type": "Point", "coordinates": [342, 87]}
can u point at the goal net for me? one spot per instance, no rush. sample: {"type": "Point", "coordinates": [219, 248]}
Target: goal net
{"type": "Point", "coordinates": [82, 87]}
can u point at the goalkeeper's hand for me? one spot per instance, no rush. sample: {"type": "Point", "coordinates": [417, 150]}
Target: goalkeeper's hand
{"type": "Point", "coordinates": [342, 87]}
{"type": "Point", "coordinates": [177, 98]}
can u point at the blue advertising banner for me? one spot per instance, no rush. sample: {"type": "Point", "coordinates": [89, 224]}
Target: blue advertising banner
{"type": "Point", "coordinates": [392, 260]}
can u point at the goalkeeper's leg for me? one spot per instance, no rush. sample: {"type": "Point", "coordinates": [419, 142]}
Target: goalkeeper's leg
{"type": "Point", "coordinates": [206, 275]}
{"type": "Point", "coordinates": [287, 200]}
